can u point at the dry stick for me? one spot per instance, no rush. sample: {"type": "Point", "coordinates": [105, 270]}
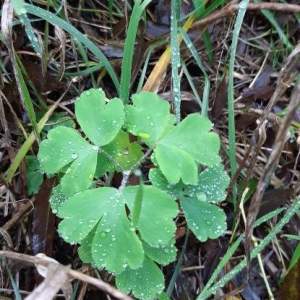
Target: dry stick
{"type": "Point", "coordinates": [19, 215]}
{"type": "Point", "coordinates": [270, 166]}
{"type": "Point", "coordinates": [230, 9]}
{"type": "Point", "coordinates": [286, 77]}
{"type": "Point", "coordinates": [105, 287]}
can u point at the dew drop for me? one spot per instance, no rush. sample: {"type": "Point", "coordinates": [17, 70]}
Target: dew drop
{"type": "Point", "coordinates": [103, 234]}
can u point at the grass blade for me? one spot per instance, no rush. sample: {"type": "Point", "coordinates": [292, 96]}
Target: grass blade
{"type": "Point", "coordinates": [231, 121]}
{"type": "Point", "coordinates": [294, 208]}
{"type": "Point", "coordinates": [143, 74]}
{"type": "Point", "coordinates": [200, 11]}
{"type": "Point", "coordinates": [270, 17]}
{"type": "Point", "coordinates": [53, 19]}
{"type": "Point", "coordinates": [175, 57]}
{"type": "Point", "coordinates": [137, 11]}
{"type": "Point", "coordinates": [19, 6]}
{"type": "Point", "coordinates": [13, 283]}
{"type": "Point", "coordinates": [221, 265]}
{"type": "Point", "coordinates": [190, 80]}
{"type": "Point", "coordinates": [28, 143]}
{"type": "Point", "coordinates": [177, 268]}
{"type": "Point", "coordinates": [30, 34]}
{"type": "Point", "coordinates": [194, 52]}
{"type": "Point", "coordinates": [128, 51]}
{"type": "Point", "coordinates": [160, 68]}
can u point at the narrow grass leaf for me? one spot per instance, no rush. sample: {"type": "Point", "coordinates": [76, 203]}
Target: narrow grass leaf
{"type": "Point", "coordinates": [231, 121]}
{"type": "Point", "coordinates": [53, 19]}
{"type": "Point", "coordinates": [190, 80]}
{"type": "Point", "coordinates": [208, 46]}
{"type": "Point", "coordinates": [163, 62]}
{"type": "Point", "coordinates": [19, 6]}
{"type": "Point", "coordinates": [85, 59]}
{"type": "Point", "coordinates": [270, 17]}
{"type": "Point", "coordinates": [6, 28]}
{"type": "Point", "coordinates": [294, 208]}
{"type": "Point", "coordinates": [178, 266]}
{"type": "Point", "coordinates": [25, 96]}
{"type": "Point", "coordinates": [87, 71]}
{"type": "Point", "coordinates": [231, 251]}
{"type": "Point", "coordinates": [200, 10]}
{"type": "Point", "coordinates": [126, 75]}
{"type": "Point", "coordinates": [292, 236]}
{"type": "Point", "coordinates": [27, 144]}
{"type": "Point", "coordinates": [221, 265]}
{"type": "Point", "coordinates": [268, 216]}
{"type": "Point", "coordinates": [175, 57]}
{"type": "Point", "coordinates": [12, 280]}
{"type": "Point", "coordinates": [194, 52]}
{"type": "Point", "coordinates": [295, 258]}
{"type": "Point", "coordinates": [110, 10]}
{"type": "Point", "coordinates": [146, 63]}
{"type": "Point", "coordinates": [30, 34]}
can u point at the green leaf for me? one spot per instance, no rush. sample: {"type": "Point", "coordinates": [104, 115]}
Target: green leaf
{"type": "Point", "coordinates": [163, 296]}
{"type": "Point", "coordinates": [188, 143]}
{"type": "Point", "coordinates": [57, 119]}
{"type": "Point", "coordinates": [57, 198]}
{"type": "Point", "coordinates": [212, 182]}
{"type": "Point", "coordinates": [115, 243]}
{"type": "Point", "coordinates": [149, 117]}
{"type": "Point", "coordinates": [85, 249]}
{"type": "Point", "coordinates": [19, 6]}
{"type": "Point", "coordinates": [163, 254]}
{"type": "Point", "coordinates": [125, 153]}
{"type": "Point", "coordinates": [101, 122]}
{"type": "Point", "coordinates": [155, 224]}
{"type": "Point", "coordinates": [204, 219]}
{"type": "Point", "coordinates": [80, 174]}
{"type": "Point", "coordinates": [62, 146]}
{"type": "Point", "coordinates": [159, 180]}
{"type": "Point", "coordinates": [34, 176]}
{"type": "Point", "coordinates": [144, 282]}
{"type": "Point", "coordinates": [178, 148]}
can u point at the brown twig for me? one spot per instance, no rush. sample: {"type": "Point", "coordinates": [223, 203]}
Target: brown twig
{"type": "Point", "coordinates": [105, 287]}
{"type": "Point", "coordinates": [230, 9]}
{"type": "Point", "coordinates": [277, 149]}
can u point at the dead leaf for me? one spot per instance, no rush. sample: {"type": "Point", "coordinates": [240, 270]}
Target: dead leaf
{"type": "Point", "coordinates": [290, 288]}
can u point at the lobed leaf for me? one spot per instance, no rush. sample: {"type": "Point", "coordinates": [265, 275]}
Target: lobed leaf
{"type": "Point", "coordinates": [85, 249]}
{"type": "Point", "coordinates": [149, 117]}
{"type": "Point", "coordinates": [187, 143]}
{"type": "Point", "coordinates": [159, 180]}
{"type": "Point", "coordinates": [62, 146]}
{"type": "Point", "coordinates": [163, 254]}
{"type": "Point", "coordinates": [100, 122]}
{"type": "Point", "coordinates": [34, 176]}
{"type": "Point", "coordinates": [204, 219]}
{"type": "Point", "coordinates": [115, 243]}
{"type": "Point", "coordinates": [155, 223]}
{"type": "Point", "coordinates": [79, 176]}
{"type": "Point", "coordinates": [212, 182]}
{"type": "Point", "coordinates": [121, 150]}
{"type": "Point", "coordinates": [57, 198]}
{"type": "Point", "coordinates": [145, 282]}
